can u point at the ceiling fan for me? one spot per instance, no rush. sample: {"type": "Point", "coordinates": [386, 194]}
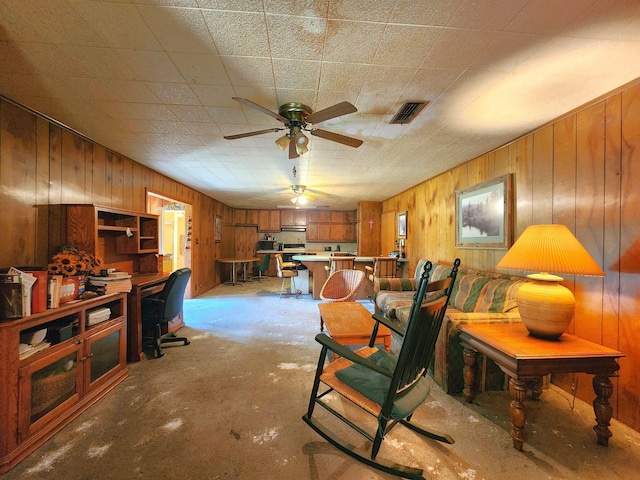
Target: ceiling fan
{"type": "Point", "coordinates": [298, 118]}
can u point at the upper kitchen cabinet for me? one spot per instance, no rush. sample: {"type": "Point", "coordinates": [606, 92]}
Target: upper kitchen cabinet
{"type": "Point", "coordinates": [269, 221]}
{"type": "Point", "coordinates": [331, 226]}
{"type": "Point", "coordinates": [245, 217]}
{"type": "Point", "coordinates": [293, 218]}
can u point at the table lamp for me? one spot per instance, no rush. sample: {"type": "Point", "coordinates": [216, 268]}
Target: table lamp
{"type": "Point", "coordinates": [546, 307]}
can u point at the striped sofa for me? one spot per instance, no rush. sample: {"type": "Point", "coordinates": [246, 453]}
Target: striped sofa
{"type": "Point", "coordinates": [476, 297]}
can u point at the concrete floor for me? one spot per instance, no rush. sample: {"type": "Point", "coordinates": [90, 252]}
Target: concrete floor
{"type": "Point", "coordinates": [229, 406]}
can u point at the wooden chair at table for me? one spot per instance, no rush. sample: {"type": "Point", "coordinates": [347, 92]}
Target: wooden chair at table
{"type": "Point", "coordinates": [286, 270]}
{"type": "Point", "coordinates": [383, 267]}
{"type": "Point", "coordinates": [339, 263]}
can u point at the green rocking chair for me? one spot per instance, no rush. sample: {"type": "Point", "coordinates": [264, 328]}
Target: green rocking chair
{"type": "Point", "coordinates": [388, 388]}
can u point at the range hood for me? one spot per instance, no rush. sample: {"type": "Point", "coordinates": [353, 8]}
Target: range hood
{"type": "Point", "coordinates": [293, 229]}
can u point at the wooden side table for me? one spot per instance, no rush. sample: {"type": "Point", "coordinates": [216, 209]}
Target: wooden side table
{"type": "Point", "coordinates": [525, 359]}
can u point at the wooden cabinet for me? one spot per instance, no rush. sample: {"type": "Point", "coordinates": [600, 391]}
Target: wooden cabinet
{"type": "Point", "coordinates": [293, 218]}
{"type": "Point", "coordinates": [124, 239]}
{"type": "Point", "coordinates": [269, 221]}
{"type": "Point", "coordinates": [245, 217]}
{"type": "Point", "coordinates": [331, 226]}
{"type": "Point", "coordinates": [46, 386]}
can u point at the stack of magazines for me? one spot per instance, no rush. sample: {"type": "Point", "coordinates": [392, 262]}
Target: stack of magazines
{"type": "Point", "coordinates": [110, 284]}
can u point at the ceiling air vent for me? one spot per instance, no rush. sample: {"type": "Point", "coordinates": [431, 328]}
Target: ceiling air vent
{"type": "Point", "coordinates": [408, 112]}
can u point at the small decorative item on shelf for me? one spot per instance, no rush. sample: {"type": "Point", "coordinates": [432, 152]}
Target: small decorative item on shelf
{"type": "Point", "coordinates": [74, 265]}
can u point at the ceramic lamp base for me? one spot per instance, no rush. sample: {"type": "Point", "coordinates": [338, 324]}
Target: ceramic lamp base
{"type": "Point", "coordinates": [545, 306]}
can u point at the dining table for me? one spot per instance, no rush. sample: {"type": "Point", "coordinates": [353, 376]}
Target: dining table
{"type": "Point", "coordinates": [234, 262]}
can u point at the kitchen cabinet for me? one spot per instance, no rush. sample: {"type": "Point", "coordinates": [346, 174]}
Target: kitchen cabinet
{"type": "Point", "coordinates": [293, 218]}
{"type": "Point", "coordinates": [269, 221]}
{"type": "Point", "coordinates": [124, 239]}
{"type": "Point", "coordinates": [331, 226]}
{"type": "Point", "coordinates": [245, 217]}
{"type": "Point", "coordinates": [47, 385]}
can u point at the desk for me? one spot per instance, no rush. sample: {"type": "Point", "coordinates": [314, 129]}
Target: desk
{"type": "Point", "coordinates": [234, 262]}
{"type": "Point", "coordinates": [350, 323]}
{"type": "Point", "coordinates": [142, 285]}
{"type": "Point", "coordinates": [525, 359]}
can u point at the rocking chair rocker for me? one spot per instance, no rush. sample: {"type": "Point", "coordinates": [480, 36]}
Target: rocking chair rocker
{"type": "Point", "coordinates": [388, 388]}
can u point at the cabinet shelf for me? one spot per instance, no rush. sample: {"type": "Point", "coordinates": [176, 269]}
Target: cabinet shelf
{"type": "Point", "coordinates": [124, 239]}
{"type": "Point", "coordinates": [47, 389]}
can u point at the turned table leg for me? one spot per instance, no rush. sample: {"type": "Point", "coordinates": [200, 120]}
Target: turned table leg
{"type": "Point", "coordinates": [469, 371]}
{"type": "Point", "coordinates": [518, 391]}
{"type": "Point", "coordinates": [603, 388]}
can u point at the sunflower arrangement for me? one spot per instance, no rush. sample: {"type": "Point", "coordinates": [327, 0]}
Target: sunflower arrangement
{"type": "Point", "coordinates": [70, 261]}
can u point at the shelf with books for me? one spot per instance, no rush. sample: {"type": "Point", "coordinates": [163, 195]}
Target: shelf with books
{"type": "Point", "coordinates": [55, 365]}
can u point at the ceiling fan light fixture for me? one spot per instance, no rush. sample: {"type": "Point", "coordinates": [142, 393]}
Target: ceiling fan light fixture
{"type": "Point", "coordinates": [283, 142]}
{"type": "Point", "coordinates": [301, 140]}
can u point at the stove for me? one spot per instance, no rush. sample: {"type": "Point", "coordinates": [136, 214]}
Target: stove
{"type": "Point", "coordinates": [291, 249]}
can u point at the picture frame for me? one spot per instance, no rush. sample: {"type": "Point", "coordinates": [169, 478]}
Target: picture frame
{"type": "Point", "coordinates": [484, 214]}
{"type": "Point", "coordinates": [217, 222]}
{"type": "Point", "coordinates": [402, 225]}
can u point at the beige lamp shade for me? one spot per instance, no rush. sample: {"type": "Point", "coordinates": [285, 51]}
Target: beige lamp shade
{"type": "Point", "coordinates": [545, 306]}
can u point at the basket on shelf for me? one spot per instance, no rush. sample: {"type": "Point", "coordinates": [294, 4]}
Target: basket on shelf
{"type": "Point", "coordinates": [50, 391]}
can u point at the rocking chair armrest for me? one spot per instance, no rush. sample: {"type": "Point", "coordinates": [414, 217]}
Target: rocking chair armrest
{"type": "Point", "coordinates": [387, 322]}
{"type": "Point", "coordinates": [344, 352]}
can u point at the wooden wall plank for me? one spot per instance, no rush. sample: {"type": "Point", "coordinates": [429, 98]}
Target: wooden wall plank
{"type": "Point", "coordinates": [542, 176]}
{"type": "Point", "coordinates": [73, 176]}
{"type": "Point", "coordinates": [611, 242]}
{"type": "Point", "coordinates": [629, 263]}
{"type": "Point", "coordinates": [590, 216]}
{"type": "Point", "coordinates": [18, 177]}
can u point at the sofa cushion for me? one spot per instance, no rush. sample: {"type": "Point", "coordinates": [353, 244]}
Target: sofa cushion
{"type": "Point", "coordinates": [388, 302]}
{"type": "Point", "coordinates": [498, 296]}
{"type": "Point", "coordinates": [466, 291]}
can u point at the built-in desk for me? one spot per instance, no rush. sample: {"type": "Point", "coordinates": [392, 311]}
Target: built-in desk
{"type": "Point", "coordinates": [142, 285]}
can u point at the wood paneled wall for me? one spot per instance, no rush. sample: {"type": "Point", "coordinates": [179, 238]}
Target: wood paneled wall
{"type": "Point", "coordinates": [583, 171]}
{"type": "Point", "coordinates": [43, 164]}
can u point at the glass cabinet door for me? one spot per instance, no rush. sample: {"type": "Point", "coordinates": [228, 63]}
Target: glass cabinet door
{"type": "Point", "coordinates": [48, 385]}
{"type": "Point", "coordinates": [105, 352]}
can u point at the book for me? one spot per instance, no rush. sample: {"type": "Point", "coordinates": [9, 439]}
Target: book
{"type": "Point", "coordinates": [54, 289]}
{"type": "Point", "coordinates": [11, 297]}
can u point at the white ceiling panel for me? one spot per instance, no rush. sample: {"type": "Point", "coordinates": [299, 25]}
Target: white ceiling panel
{"type": "Point", "coordinates": [154, 80]}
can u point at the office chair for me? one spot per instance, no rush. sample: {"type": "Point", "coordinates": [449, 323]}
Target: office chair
{"type": "Point", "coordinates": [263, 267]}
{"type": "Point", "coordinates": [160, 310]}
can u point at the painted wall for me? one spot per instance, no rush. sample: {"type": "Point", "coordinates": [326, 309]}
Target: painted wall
{"type": "Point", "coordinates": [583, 171]}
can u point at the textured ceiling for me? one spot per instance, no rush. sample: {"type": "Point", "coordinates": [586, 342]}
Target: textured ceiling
{"type": "Point", "coordinates": [154, 80]}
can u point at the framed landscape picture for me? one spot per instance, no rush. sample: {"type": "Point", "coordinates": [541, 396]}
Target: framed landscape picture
{"type": "Point", "coordinates": [402, 225]}
{"type": "Point", "coordinates": [484, 214]}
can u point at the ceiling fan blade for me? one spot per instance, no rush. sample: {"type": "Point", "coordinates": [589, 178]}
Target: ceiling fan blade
{"type": "Point", "coordinates": [337, 110]}
{"type": "Point", "coordinates": [336, 137]}
{"type": "Point", "coordinates": [251, 134]}
{"type": "Point", "coordinates": [293, 151]}
{"type": "Point", "coordinates": [249, 103]}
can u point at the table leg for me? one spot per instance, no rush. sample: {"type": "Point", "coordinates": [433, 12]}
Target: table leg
{"type": "Point", "coordinates": [518, 391]}
{"type": "Point", "coordinates": [603, 388]}
{"type": "Point", "coordinates": [469, 356]}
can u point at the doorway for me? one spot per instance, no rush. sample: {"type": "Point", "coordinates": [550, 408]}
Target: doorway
{"type": "Point", "coordinates": [175, 229]}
